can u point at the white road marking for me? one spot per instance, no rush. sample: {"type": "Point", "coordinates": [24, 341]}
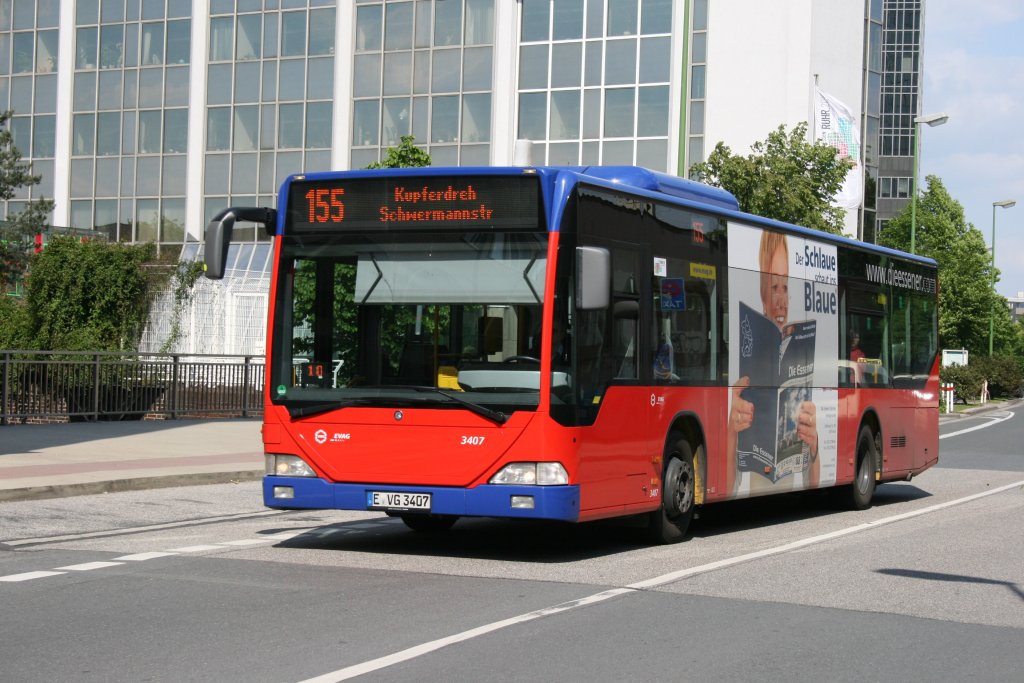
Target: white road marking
{"type": "Point", "coordinates": [27, 576]}
{"type": "Point", "coordinates": [426, 648]}
{"type": "Point", "coordinates": [139, 557]}
{"type": "Point", "coordinates": [802, 543]}
{"type": "Point", "coordinates": [247, 541]}
{"type": "Point", "coordinates": [89, 566]}
{"type": "Point", "coordinates": [992, 421]}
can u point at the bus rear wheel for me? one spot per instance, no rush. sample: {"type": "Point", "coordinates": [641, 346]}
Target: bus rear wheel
{"type": "Point", "coordinates": [668, 524]}
{"type": "Point", "coordinates": [428, 524]}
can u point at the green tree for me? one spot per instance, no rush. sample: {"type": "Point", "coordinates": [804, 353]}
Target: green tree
{"type": "Point", "coordinates": [90, 295]}
{"type": "Point", "coordinates": [967, 380]}
{"type": "Point", "coordinates": [785, 177]}
{"type": "Point", "coordinates": [12, 323]}
{"type": "Point", "coordinates": [1004, 375]}
{"type": "Point", "coordinates": [17, 231]}
{"type": "Point", "coordinates": [404, 155]}
{"type": "Point", "coordinates": [965, 271]}
{"type": "Point", "coordinates": [1017, 345]}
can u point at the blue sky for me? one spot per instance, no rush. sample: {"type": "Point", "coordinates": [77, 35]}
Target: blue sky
{"type": "Point", "coordinates": [974, 72]}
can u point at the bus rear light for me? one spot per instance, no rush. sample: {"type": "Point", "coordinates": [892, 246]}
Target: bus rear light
{"type": "Point", "coordinates": [532, 474]}
{"type": "Point", "coordinates": [287, 466]}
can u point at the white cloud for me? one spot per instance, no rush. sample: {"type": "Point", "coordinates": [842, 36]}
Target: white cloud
{"type": "Point", "coordinates": [954, 17]}
{"type": "Point", "coordinates": [984, 97]}
{"type": "Point", "coordinates": [975, 82]}
{"type": "Point", "coordinates": [974, 71]}
{"type": "Point", "coordinates": [979, 163]}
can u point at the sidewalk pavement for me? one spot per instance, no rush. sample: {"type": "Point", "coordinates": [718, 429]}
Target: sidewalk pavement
{"type": "Point", "coordinates": [78, 458]}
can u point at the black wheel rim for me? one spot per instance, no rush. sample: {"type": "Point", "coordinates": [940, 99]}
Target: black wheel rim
{"type": "Point", "coordinates": [862, 480]}
{"type": "Point", "coordinates": [865, 471]}
{"type": "Point", "coordinates": [678, 495]}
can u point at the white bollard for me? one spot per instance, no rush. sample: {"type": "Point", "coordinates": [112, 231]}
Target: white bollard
{"type": "Point", "coordinates": [948, 398]}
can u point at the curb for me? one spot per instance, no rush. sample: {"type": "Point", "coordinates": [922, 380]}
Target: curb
{"type": "Point", "coordinates": [132, 484]}
{"type": "Point", "coordinates": [980, 410]}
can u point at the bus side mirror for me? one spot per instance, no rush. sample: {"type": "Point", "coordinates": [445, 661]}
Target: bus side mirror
{"type": "Point", "coordinates": [593, 278]}
{"type": "Point", "coordinates": [218, 235]}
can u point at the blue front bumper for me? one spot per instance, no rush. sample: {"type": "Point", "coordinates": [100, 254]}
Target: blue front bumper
{"type": "Point", "coordinates": [489, 500]}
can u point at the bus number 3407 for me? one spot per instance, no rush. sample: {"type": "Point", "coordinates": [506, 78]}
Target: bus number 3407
{"type": "Point", "coordinates": [472, 441]}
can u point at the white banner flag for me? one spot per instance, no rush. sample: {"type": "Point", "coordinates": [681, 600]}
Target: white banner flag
{"type": "Point", "coordinates": [836, 125]}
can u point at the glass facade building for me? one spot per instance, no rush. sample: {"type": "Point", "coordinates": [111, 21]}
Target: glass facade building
{"type": "Point", "coordinates": [129, 119]}
{"type": "Point", "coordinates": [594, 81]}
{"type": "Point", "coordinates": [423, 69]}
{"type": "Point", "coordinates": [873, 65]}
{"type": "Point", "coordinates": [900, 45]}
{"type": "Point", "coordinates": [146, 117]}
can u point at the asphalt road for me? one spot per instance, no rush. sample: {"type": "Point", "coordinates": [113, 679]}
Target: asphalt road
{"type": "Point", "coordinates": [202, 583]}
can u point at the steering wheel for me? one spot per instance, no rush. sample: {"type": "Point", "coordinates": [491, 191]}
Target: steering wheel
{"type": "Point", "coordinates": [521, 359]}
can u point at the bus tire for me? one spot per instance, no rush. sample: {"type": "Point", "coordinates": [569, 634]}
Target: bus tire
{"type": "Point", "coordinates": [858, 494]}
{"type": "Point", "coordinates": [429, 524]}
{"type": "Point", "coordinates": [668, 524]}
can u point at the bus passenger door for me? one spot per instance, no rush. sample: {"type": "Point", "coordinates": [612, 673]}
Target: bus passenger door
{"type": "Point", "coordinates": [616, 453]}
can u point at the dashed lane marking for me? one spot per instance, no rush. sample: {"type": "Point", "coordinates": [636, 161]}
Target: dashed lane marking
{"type": "Point", "coordinates": [141, 557]}
{"type": "Point", "coordinates": [89, 566]}
{"type": "Point", "coordinates": [27, 576]}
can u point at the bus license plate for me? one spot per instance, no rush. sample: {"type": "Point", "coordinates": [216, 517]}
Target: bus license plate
{"type": "Point", "coordinates": [397, 500]}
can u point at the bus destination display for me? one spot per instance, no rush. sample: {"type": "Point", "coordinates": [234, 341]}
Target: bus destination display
{"type": "Point", "coordinates": [461, 201]}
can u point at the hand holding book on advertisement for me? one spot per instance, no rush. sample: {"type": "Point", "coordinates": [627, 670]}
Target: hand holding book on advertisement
{"type": "Point", "coordinates": [807, 428]}
{"type": "Point", "coordinates": [741, 415]}
{"type": "Point", "coordinates": [808, 433]}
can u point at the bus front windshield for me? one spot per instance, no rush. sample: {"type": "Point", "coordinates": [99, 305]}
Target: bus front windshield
{"type": "Point", "coordinates": [435, 320]}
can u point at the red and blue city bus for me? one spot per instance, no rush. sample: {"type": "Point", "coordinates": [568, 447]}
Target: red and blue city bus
{"type": "Point", "coordinates": [576, 344]}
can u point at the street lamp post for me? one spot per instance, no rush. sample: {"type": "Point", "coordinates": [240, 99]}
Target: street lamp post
{"type": "Point", "coordinates": [931, 120]}
{"type": "Point", "coordinates": [1005, 204]}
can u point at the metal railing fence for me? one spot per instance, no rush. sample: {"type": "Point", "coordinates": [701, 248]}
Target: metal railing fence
{"type": "Point", "coordinates": [63, 385]}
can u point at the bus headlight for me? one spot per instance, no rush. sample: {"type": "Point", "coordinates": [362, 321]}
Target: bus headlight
{"type": "Point", "coordinates": [532, 474]}
{"type": "Point", "coordinates": [288, 466]}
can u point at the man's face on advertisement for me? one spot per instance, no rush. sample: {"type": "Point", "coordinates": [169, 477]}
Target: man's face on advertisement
{"type": "Point", "coordinates": [776, 297]}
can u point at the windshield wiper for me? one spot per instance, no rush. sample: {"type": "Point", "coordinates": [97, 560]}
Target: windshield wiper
{"type": "Point", "coordinates": [395, 401]}
{"type": "Point", "coordinates": [493, 415]}
{"type": "Point", "coordinates": [362, 402]}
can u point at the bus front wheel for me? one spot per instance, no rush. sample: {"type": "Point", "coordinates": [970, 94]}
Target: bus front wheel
{"type": "Point", "coordinates": [669, 523]}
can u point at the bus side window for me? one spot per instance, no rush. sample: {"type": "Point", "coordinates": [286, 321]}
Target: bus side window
{"type": "Point", "coordinates": [683, 325]}
{"type": "Point", "coordinates": [863, 362]}
{"type": "Point", "coordinates": [626, 314]}
{"type": "Point", "coordinates": [692, 335]}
